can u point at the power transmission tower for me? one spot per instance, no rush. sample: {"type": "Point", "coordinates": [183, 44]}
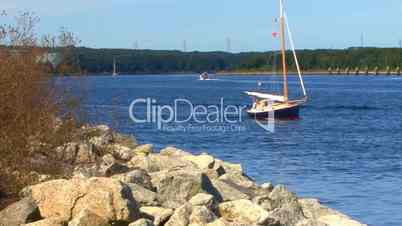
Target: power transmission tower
{"type": "Point", "coordinates": [135, 45]}
{"type": "Point", "coordinates": [184, 46]}
{"type": "Point", "coordinates": [362, 40]}
{"type": "Point", "coordinates": [228, 45]}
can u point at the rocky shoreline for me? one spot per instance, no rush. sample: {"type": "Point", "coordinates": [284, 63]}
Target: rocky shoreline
{"type": "Point", "coordinates": [116, 181]}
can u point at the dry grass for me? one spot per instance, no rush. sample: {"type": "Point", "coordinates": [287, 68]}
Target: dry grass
{"type": "Point", "coordinates": [30, 105]}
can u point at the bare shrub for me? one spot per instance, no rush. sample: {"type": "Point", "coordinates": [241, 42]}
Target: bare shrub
{"type": "Point", "coordinates": [31, 103]}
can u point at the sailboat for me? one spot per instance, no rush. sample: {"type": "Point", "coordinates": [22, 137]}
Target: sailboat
{"type": "Point", "coordinates": [280, 106]}
{"type": "Point", "coordinates": [114, 67]}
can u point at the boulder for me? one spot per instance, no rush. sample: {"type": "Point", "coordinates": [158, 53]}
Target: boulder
{"type": "Point", "coordinates": [100, 136]}
{"type": "Point", "coordinates": [138, 176]}
{"type": "Point", "coordinates": [113, 169]}
{"type": "Point", "coordinates": [246, 212]}
{"type": "Point", "coordinates": [142, 195]}
{"type": "Point", "coordinates": [224, 191]}
{"type": "Point", "coordinates": [144, 150]}
{"type": "Point", "coordinates": [268, 187]}
{"type": "Point", "coordinates": [88, 218]}
{"type": "Point", "coordinates": [313, 210]}
{"type": "Point", "coordinates": [286, 207]}
{"type": "Point", "coordinates": [87, 171]}
{"type": "Point", "coordinates": [201, 215]}
{"type": "Point", "coordinates": [158, 215]}
{"type": "Point", "coordinates": [188, 215]}
{"type": "Point", "coordinates": [173, 152]}
{"type": "Point", "coordinates": [229, 167]}
{"type": "Point", "coordinates": [105, 197]}
{"type": "Point", "coordinates": [177, 187]}
{"type": "Point", "coordinates": [203, 161]}
{"type": "Point", "coordinates": [159, 162]}
{"type": "Point", "coordinates": [239, 179]}
{"type": "Point", "coordinates": [121, 152]}
{"type": "Point", "coordinates": [53, 221]}
{"type": "Point", "coordinates": [181, 216]}
{"type": "Point", "coordinates": [202, 199]}
{"type": "Point", "coordinates": [142, 222]}
{"type": "Point", "coordinates": [21, 212]}
{"type": "Point", "coordinates": [264, 201]}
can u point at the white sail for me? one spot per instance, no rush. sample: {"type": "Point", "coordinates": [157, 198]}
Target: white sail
{"type": "Point", "coordinates": [267, 96]}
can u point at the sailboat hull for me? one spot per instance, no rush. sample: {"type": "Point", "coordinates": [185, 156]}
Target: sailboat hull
{"type": "Point", "coordinates": [291, 112]}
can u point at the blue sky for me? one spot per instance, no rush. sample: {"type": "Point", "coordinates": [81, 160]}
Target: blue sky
{"type": "Point", "coordinates": [206, 24]}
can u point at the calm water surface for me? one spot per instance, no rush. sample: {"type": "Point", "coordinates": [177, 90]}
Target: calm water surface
{"type": "Point", "coordinates": [346, 149]}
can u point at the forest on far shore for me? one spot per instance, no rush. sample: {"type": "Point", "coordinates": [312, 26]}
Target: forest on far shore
{"type": "Point", "coordinates": [130, 61]}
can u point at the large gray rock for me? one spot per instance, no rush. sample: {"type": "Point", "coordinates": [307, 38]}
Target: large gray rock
{"type": "Point", "coordinates": [140, 177]}
{"type": "Point", "coordinates": [203, 161]}
{"type": "Point", "coordinates": [142, 222]}
{"type": "Point", "coordinates": [177, 187]}
{"type": "Point", "coordinates": [202, 199]}
{"type": "Point", "coordinates": [188, 215]}
{"type": "Point", "coordinates": [107, 198]}
{"type": "Point", "coordinates": [121, 152]}
{"type": "Point", "coordinates": [158, 162]}
{"type": "Point", "coordinates": [143, 196]}
{"type": "Point", "coordinates": [88, 218]}
{"type": "Point", "coordinates": [225, 191]}
{"type": "Point", "coordinates": [158, 215]}
{"type": "Point", "coordinates": [181, 216]}
{"type": "Point", "coordinates": [201, 215]}
{"type": "Point", "coordinates": [100, 136]}
{"type": "Point", "coordinates": [247, 213]}
{"type": "Point", "coordinates": [323, 215]}
{"type": "Point", "coordinates": [229, 167]}
{"type": "Point", "coordinates": [239, 179]}
{"type": "Point", "coordinates": [286, 207]}
{"type": "Point", "coordinates": [264, 201]}
{"type": "Point", "coordinates": [21, 212]}
{"type": "Point", "coordinates": [173, 152]}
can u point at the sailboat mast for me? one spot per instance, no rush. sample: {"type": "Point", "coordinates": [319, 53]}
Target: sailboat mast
{"type": "Point", "coordinates": [114, 66]}
{"type": "Point", "coordinates": [283, 47]}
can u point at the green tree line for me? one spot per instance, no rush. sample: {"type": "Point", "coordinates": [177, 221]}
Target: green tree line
{"type": "Point", "coordinates": [100, 61]}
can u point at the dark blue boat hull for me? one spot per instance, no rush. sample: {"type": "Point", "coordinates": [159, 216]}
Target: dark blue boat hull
{"type": "Point", "coordinates": [287, 113]}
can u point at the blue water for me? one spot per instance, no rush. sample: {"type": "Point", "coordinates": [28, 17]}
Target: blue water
{"type": "Point", "coordinates": [346, 149]}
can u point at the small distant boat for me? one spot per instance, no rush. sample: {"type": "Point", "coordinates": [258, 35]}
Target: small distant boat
{"type": "Point", "coordinates": [207, 76]}
{"type": "Point", "coordinates": [280, 106]}
{"type": "Point", "coordinates": [204, 76]}
{"type": "Point", "coordinates": [115, 73]}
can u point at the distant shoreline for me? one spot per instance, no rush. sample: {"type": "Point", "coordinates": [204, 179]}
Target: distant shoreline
{"type": "Point", "coordinates": [247, 73]}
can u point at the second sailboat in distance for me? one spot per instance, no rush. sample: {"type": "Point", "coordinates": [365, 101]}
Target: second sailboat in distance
{"type": "Point", "coordinates": [267, 104]}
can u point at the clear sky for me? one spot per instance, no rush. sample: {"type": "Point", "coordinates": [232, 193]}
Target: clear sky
{"type": "Point", "coordinates": [206, 24]}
